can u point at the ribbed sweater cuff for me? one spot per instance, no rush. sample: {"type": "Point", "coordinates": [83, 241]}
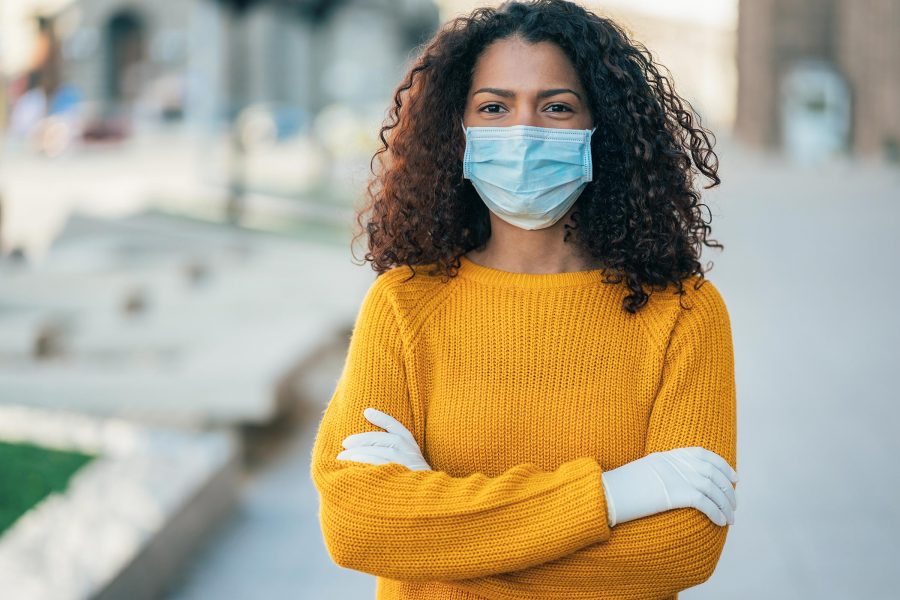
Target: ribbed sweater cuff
{"type": "Point", "coordinates": [588, 513]}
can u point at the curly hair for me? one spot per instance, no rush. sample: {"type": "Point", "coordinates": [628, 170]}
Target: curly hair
{"type": "Point", "coordinates": [640, 216]}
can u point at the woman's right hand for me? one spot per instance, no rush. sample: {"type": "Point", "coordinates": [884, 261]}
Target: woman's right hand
{"type": "Point", "coordinates": [683, 477]}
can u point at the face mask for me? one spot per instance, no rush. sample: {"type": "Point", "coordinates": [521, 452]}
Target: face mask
{"type": "Point", "coordinates": [528, 176]}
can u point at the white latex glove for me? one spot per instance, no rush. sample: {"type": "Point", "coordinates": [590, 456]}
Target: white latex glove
{"type": "Point", "coordinates": [396, 444]}
{"type": "Point", "coordinates": [683, 477]}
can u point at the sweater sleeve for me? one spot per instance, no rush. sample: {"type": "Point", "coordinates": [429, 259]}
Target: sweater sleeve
{"type": "Point", "coordinates": [661, 554]}
{"type": "Point", "coordinates": [390, 521]}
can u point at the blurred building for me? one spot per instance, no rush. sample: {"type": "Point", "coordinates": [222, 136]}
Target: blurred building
{"type": "Point", "coordinates": [824, 70]}
{"type": "Point", "coordinates": [180, 58]}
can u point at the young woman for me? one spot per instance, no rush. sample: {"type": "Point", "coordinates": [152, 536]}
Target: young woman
{"type": "Point", "coordinates": [538, 400]}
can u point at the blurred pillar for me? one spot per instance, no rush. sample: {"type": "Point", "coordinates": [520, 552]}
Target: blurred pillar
{"type": "Point", "coordinates": [772, 36]}
{"type": "Point", "coordinates": [754, 118]}
{"type": "Point", "coordinates": [868, 51]}
{"type": "Point", "coordinates": [859, 38]}
{"type": "Point", "coordinates": [236, 75]}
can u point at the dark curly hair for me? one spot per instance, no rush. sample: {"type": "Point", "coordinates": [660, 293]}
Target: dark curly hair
{"type": "Point", "coordinates": [640, 216]}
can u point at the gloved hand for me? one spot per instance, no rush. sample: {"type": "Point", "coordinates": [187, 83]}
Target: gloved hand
{"type": "Point", "coordinates": [683, 477]}
{"type": "Point", "coordinates": [396, 445]}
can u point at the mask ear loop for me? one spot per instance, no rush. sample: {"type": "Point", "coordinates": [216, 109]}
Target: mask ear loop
{"type": "Point", "coordinates": [588, 172]}
{"type": "Point", "coordinates": [466, 151]}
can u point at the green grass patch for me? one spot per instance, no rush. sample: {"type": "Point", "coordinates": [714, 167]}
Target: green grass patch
{"type": "Point", "coordinates": [29, 473]}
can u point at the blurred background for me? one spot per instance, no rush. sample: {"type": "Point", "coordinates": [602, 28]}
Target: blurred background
{"type": "Point", "coordinates": [177, 186]}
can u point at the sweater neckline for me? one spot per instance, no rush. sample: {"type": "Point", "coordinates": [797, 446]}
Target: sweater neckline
{"type": "Point", "coordinates": [488, 275]}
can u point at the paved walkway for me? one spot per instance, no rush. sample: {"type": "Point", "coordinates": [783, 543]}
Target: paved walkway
{"type": "Point", "coordinates": [273, 547]}
{"type": "Point", "coordinates": [810, 277]}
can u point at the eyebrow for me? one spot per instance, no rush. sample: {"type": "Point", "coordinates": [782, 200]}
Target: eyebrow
{"type": "Point", "coordinates": [541, 94]}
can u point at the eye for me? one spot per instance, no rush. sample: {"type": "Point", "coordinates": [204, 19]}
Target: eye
{"type": "Point", "coordinates": [491, 106]}
{"type": "Point", "coordinates": [559, 106]}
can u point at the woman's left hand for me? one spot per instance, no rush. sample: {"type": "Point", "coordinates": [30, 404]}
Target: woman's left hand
{"type": "Point", "coordinates": [396, 445]}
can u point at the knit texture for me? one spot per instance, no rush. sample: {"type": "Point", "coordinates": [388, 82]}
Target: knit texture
{"type": "Point", "coordinates": [521, 390]}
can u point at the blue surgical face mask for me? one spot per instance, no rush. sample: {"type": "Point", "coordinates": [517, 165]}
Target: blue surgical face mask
{"type": "Point", "coordinates": [528, 176]}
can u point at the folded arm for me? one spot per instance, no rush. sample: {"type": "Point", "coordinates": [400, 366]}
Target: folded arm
{"type": "Point", "coordinates": [390, 521]}
{"type": "Point", "coordinates": [661, 554]}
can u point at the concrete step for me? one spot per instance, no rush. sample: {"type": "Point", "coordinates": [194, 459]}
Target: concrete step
{"type": "Point", "coordinates": [129, 519]}
{"type": "Point", "coordinates": [170, 322]}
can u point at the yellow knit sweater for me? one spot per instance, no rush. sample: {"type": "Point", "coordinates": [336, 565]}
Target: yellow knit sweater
{"type": "Point", "coordinates": [521, 389]}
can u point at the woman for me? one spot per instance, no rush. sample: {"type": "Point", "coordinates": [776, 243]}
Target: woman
{"type": "Point", "coordinates": [517, 417]}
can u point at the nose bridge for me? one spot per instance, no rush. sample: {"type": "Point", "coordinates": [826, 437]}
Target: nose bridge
{"type": "Point", "coordinates": [527, 109]}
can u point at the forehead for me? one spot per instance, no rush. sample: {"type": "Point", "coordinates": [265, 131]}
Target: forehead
{"type": "Point", "coordinates": [513, 63]}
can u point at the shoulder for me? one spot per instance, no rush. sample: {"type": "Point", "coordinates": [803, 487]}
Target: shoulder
{"type": "Point", "coordinates": [698, 311]}
{"type": "Point", "coordinates": [705, 321]}
{"type": "Point", "coordinates": [703, 295]}
{"type": "Point", "coordinates": [412, 294]}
